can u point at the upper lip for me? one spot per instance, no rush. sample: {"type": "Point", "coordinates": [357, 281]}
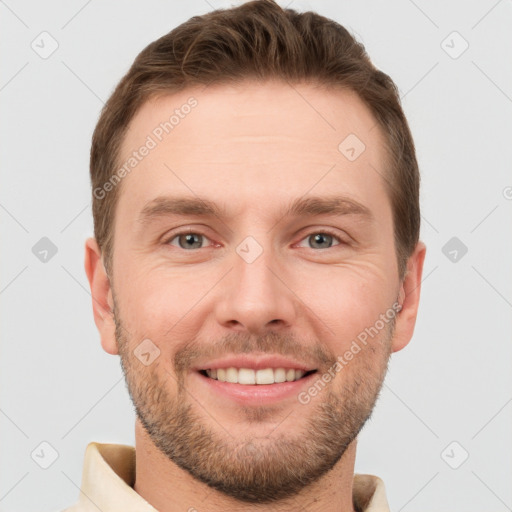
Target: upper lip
{"type": "Point", "coordinates": [255, 362]}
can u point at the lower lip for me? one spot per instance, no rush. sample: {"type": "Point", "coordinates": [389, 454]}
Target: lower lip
{"type": "Point", "coordinates": [257, 394]}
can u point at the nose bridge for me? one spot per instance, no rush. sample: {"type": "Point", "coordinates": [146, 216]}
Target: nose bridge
{"type": "Point", "coordinates": [256, 298]}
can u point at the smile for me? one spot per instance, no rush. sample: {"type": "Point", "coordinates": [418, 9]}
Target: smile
{"type": "Point", "coordinates": [249, 376]}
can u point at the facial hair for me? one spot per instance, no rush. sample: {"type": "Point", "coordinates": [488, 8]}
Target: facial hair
{"type": "Point", "coordinates": [255, 470]}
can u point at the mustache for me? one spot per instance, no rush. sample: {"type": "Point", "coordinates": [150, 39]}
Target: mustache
{"type": "Point", "coordinates": [286, 345]}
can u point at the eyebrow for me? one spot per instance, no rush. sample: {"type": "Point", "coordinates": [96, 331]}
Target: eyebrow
{"type": "Point", "coordinates": [164, 206]}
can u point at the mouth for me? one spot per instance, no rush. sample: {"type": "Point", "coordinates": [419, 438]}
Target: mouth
{"type": "Point", "coordinates": [253, 383]}
{"type": "Point", "coordinates": [256, 377]}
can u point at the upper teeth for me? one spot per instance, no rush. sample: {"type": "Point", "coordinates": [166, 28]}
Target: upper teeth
{"type": "Point", "coordinates": [250, 376]}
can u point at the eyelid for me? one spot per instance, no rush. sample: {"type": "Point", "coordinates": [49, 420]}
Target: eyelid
{"type": "Point", "coordinates": [188, 231]}
{"type": "Point", "coordinates": [311, 231]}
{"type": "Point", "coordinates": [325, 231]}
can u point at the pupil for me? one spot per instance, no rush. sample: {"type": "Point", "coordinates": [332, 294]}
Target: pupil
{"type": "Point", "coordinates": [190, 241]}
{"type": "Point", "coordinates": [321, 237]}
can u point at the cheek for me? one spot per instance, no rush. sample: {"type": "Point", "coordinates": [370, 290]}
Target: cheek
{"type": "Point", "coordinates": [343, 301]}
{"type": "Point", "coordinates": [160, 306]}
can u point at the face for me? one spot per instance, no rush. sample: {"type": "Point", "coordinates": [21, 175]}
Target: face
{"type": "Point", "coordinates": [250, 257]}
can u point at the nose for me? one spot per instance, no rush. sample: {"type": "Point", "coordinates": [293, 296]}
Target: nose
{"type": "Point", "coordinates": [255, 296]}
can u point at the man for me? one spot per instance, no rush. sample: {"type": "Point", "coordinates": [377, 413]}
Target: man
{"type": "Point", "coordinates": [256, 261]}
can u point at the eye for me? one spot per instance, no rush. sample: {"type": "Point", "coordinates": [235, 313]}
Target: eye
{"type": "Point", "coordinates": [187, 240]}
{"type": "Point", "coordinates": [322, 239]}
{"type": "Point", "coordinates": [190, 240]}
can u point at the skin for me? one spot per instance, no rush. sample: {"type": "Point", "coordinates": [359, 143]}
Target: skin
{"type": "Point", "coordinates": [252, 149]}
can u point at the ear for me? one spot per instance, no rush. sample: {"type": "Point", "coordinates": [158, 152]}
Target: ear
{"type": "Point", "coordinates": [101, 292]}
{"type": "Point", "coordinates": [409, 298]}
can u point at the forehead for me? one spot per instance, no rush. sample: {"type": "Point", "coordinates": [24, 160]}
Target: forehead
{"type": "Point", "coordinates": [258, 139]}
{"type": "Point", "coordinates": [306, 112]}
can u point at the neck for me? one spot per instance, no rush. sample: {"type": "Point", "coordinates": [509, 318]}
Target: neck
{"type": "Point", "coordinates": [168, 488]}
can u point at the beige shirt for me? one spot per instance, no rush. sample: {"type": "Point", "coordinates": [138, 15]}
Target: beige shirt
{"type": "Point", "coordinates": [108, 477]}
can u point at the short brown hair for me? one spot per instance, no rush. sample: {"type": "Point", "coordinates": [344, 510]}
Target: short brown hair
{"type": "Point", "coordinates": [259, 40]}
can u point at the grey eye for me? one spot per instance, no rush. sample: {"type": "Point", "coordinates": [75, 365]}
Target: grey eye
{"type": "Point", "coordinates": [321, 239]}
{"type": "Point", "coordinates": [188, 241]}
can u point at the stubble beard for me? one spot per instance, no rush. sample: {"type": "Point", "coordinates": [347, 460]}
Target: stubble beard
{"type": "Point", "coordinates": [250, 469]}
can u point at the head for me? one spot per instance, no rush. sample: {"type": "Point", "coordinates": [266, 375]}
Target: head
{"type": "Point", "coordinates": [255, 198]}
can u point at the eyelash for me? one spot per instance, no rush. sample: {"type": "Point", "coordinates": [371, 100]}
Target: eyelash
{"type": "Point", "coordinates": [322, 232]}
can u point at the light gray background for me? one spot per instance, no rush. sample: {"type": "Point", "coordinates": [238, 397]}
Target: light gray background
{"type": "Point", "coordinates": [453, 381]}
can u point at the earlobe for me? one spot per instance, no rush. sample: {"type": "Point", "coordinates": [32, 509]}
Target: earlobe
{"type": "Point", "coordinates": [408, 297]}
{"type": "Point", "coordinates": [101, 292]}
